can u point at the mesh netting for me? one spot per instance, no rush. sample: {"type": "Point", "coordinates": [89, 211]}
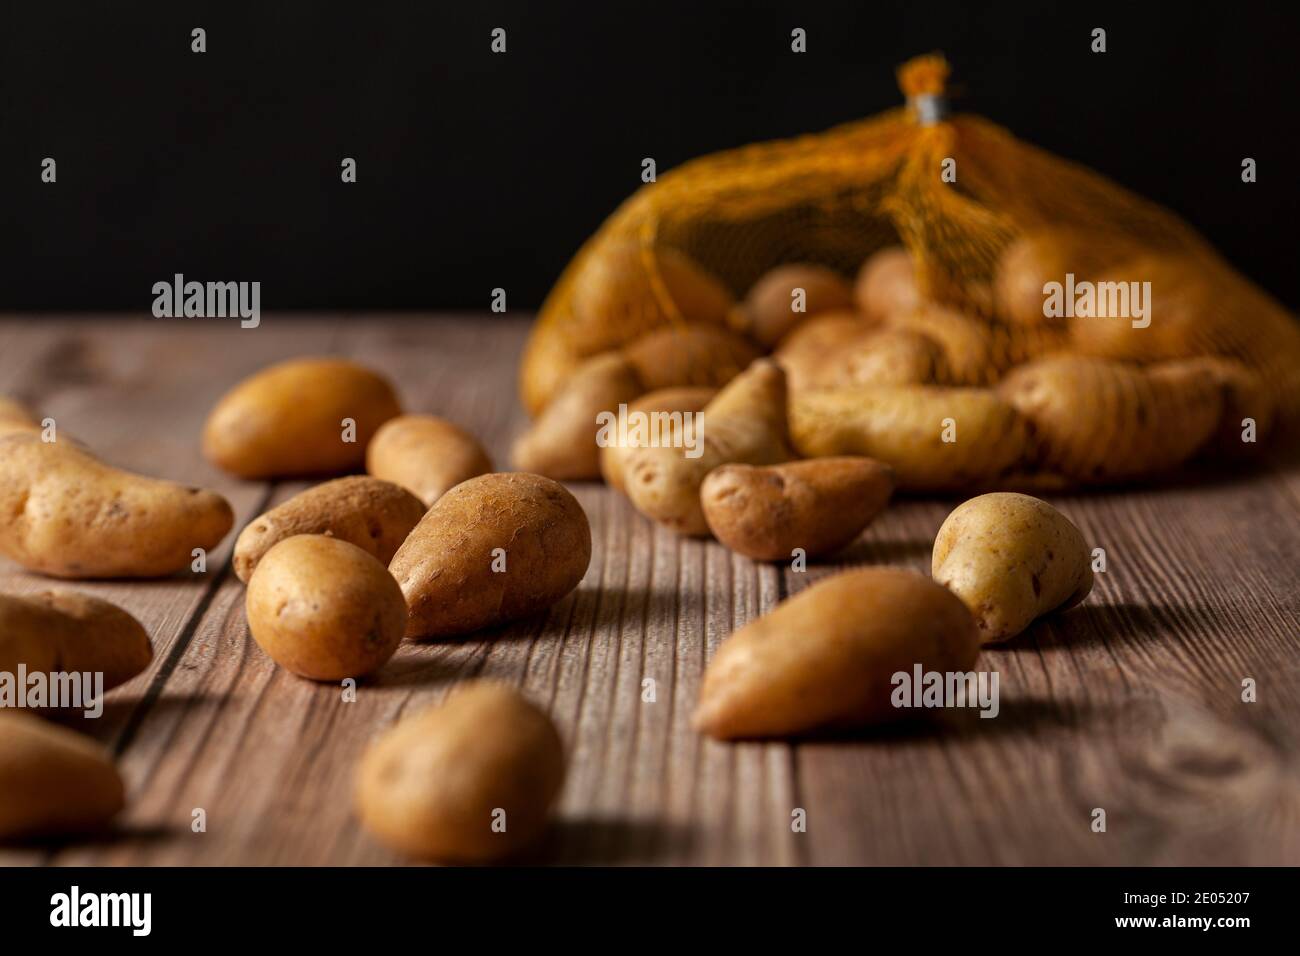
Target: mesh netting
{"type": "Point", "coordinates": [836, 197]}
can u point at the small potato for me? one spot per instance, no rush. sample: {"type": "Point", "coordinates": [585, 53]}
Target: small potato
{"type": "Point", "coordinates": [470, 781]}
{"type": "Point", "coordinates": [374, 515]}
{"type": "Point", "coordinates": [826, 657]}
{"type": "Point", "coordinates": [885, 356]}
{"type": "Point", "coordinates": [819, 505]}
{"type": "Point", "coordinates": [289, 420]}
{"type": "Point", "coordinates": [71, 632]}
{"type": "Point", "coordinates": [887, 285]}
{"type": "Point", "coordinates": [561, 443]}
{"type": "Point", "coordinates": [658, 407]}
{"type": "Point", "coordinates": [426, 455]}
{"type": "Point", "coordinates": [933, 438]}
{"type": "Point", "coordinates": [66, 514]}
{"type": "Point", "coordinates": [745, 423]}
{"type": "Point", "coordinates": [324, 609]}
{"type": "Point", "coordinates": [1011, 559]}
{"type": "Point", "coordinates": [815, 346]}
{"type": "Point", "coordinates": [783, 297]}
{"type": "Point", "coordinates": [53, 781]}
{"type": "Point", "coordinates": [697, 354]}
{"type": "Point", "coordinates": [494, 549]}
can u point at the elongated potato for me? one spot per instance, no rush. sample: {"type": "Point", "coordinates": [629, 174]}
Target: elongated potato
{"type": "Point", "coordinates": [67, 514]}
{"type": "Point", "coordinates": [470, 781]}
{"type": "Point", "coordinates": [887, 285]}
{"type": "Point", "coordinates": [561, 443]}
{"type": "Point", "coordinates": [905, 426]}
{"type": "Point", "coordinates": [426, 455]}
{"type": "Point", "coordinates": [374, 515]}
{"type": "Point", "coordinates": [1011, 559]}
{"type": "Point", "coordinates": [661, 414]}
{"type": "Point", "coordinates": [53, 781]}
{"type": "Point", "coordinates": [324, 609]}
{"type": "Point", "coordinates": [1098, 421]}
{"type": "Point", "coordinates": [818, 505]}
{"type": "Point", "coordinates": [744, 423]}
{"type": "Point", "coordinates": [783, 297]}
{"type": "Point", "coordinates": [289, 420]}
{"type": "Point", "coordinates": [74, 633]}
{"type": "Point", "coordinates": [826, 657]}
{"type": "Point", "coordinates": [494, 549]}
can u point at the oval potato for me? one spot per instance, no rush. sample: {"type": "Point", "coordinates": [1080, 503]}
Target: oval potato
{"type": "Point", "coordinates": [818, 506]}
{"type": "Point", "coordinates": [288, 420]}
{"type": "Point", "coordinates": [886, 284]}
{"type": "Point", "coordinates": [494, 549]}
{"type": "Point", "coordinates": [324, 609]}
{"type": "Point", "coordinates": [373, 514]}
{"type": "Point", "coordinates": [440, 784]}
{"type": "Point", "coordinates": [66, 514]}
{"type": "Point", "coordinates": [1011, 558]}
{"type": "Point", "coordinates": [768, 310]}
{"type": "Point", "coordinates": [826, 657]}
{"type": "Point", "coordinates": [53, 781]}
{"type": "Point", "coordinates": [425, 454]}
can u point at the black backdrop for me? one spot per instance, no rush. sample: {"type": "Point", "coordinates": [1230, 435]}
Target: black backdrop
{"type": "Point", "coordinates": [478, 170]}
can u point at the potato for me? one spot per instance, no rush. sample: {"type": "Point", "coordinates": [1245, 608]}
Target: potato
{"type": "Point", "coordinates": [625, 289]}
{"type": "Point", "coordinates": [1042, 256]}
{"type": "Point", "coordinates": [426, 455]}
{"type": "Point", "coordinates": [288, 420]}
{"type": "Point", "coordinates": [814, 346]}
{"type": "Point", "coordinates": [826, 657]}
{"type": "Point", "coordinates": [1245, 397]}
{"type": "Point", "coordinates": [1011, 559]}
{"type": "Point", "coordinates": [666, 401]}
{"type": "Point", "coordinates": [492, 550]}
{"type": "Point", "coordinates": [374, 515]}
{"type": "Point", "coordinates": [470, 781]}
{"type": "Point", "coordinates": [886, 284]}
{"type": "Point", "coordinates": [549, 358]}
{"type": "Point", "coordinates": [689, 355]}
{"type": "Point", "coordinates": [66, 514]}
{"type": "Point", "coordinates": [561, 443]}
{"type": "Point", "coordinates": [1098, 421]}
{"type": "Point", "coordinates": [15, 417]}
{"type": "Point", "coordinates": [53, 781]}
{"type": "Point", "coordinates": [819, 505]}
{"type": "Point", "coordinates": [966, 343]}
{"type": "Point", "coordinates": [69, 632]}
{"type": "Point", "coordinates": [768, 310]}
{"type": "Point", "coordinates": [885, 356]}
{"type": "Point", "coordinates": [324, 609]}
{"type": "Point", "coordinates": [744, 423]}
{"type": "Point", "coordinates": [905, 427]}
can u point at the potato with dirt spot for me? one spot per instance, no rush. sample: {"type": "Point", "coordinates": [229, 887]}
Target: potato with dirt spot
{"type": "Point", "coordinates": [492, 550]}
{"type": "Point", "coordinates": [324, 609]}
{"type": "Point", "coordinates": [826, 657]}
{"type": "Point", "coordinates": [53, 781]}
{"type": "Point", "coordinates": [908, 427]}
{"type": "Point", "coordinates": [66, 514]}
{"type": "Point", "coordinates": [663, 412]}
{"type": "Point", "coordinates": [374, 515]}
{"type": "Point", "coordinates": [818, 506]}
{"type": "Point", "coordinates": [470, 781]}
{"type": "Point", "coordinates": [745, 423]}
{"type": "Point", "coordinates": [768, 311]}
{"type": "Point", "coordinates": [1011, 559]}
{"type": "Point", "coordinates": [65, 631]}
{"type": "Point", "coordinates": [289, 420]}
{"type": "Point", "coordinates": [426, 455]}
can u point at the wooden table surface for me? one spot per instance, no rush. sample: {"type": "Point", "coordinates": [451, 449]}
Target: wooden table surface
{"type": "Point", "coordinates": [1131, 703]}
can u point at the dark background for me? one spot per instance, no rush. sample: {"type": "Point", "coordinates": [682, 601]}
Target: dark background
{"type": "Point", "coordinates": [477, 170]}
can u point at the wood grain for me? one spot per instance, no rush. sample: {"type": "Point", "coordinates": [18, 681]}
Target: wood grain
{"type": "Point", "coordinates": [1131, 703]}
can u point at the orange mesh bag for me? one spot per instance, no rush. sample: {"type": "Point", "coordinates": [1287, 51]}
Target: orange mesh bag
{"type": "Point", "coordinates": [682, 249]}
